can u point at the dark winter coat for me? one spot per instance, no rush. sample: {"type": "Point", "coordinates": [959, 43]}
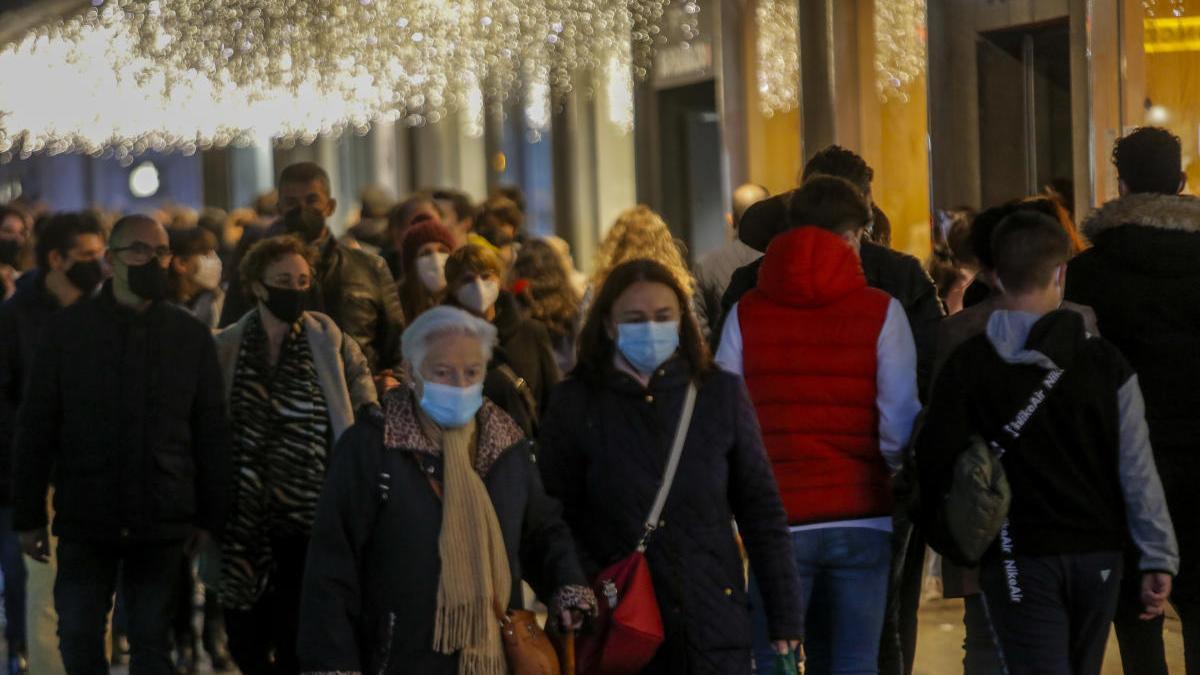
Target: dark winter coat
{"type": "Point", "coordinates": [603, 453]}
{"type": "Point", "coordinates": [22, 318]}
{"type": "Point", "coordinates": [126, 412]}
{"type": "Point", "coordinates": [1142, 277]}
{"type": "Point", "coordinates": [526, 348]}
{"type": "Point", "coordinates": [358, 292]}
{"type": "Point", "coordinates": [897, 274]}
{"type": "Point", "coordinates": [371, 578]}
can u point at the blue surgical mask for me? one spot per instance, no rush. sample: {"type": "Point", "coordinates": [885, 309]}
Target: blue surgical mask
{"type": "Point", "coordinates": [648, 345]}
{"type": "Point", "coordinates": [451, 407]}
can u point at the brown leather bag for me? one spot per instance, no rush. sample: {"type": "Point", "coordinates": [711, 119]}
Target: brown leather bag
{"type": "Point", "coordinates": [526, 645]}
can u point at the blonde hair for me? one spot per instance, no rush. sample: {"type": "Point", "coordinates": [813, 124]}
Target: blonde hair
{"type": "Point", "coordinates": [641, 234]}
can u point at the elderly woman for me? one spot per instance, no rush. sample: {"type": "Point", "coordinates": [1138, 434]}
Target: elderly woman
{"type": "Point", "coordinates": [432, 515]}
{"type": "Point", "coordinates": [294, 382]}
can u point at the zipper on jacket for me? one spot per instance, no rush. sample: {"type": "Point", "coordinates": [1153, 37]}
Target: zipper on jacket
{"type": "Point", "coordinates": [385, 649]}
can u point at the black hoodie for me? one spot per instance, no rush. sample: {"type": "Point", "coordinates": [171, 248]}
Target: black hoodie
{"type": "Point", "coordinates": [1078, 460]}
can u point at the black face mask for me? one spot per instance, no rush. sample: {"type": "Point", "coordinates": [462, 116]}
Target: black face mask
{"type": "Point", "coordinates": [10, 252]}
{"type": "Point", "coordinates": [286, 304]}
{"type": "Point", "coordinates": [304, 222]}
{"type": "Point", "coordinates": [85, 275]}
{"type": "Point", "coordinates": [148, 281]}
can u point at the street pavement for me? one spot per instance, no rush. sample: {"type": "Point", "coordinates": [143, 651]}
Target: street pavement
{"type": "Point", "coordinates": [939, 647]}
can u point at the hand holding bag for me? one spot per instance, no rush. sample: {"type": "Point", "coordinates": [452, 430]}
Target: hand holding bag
{"type": "Point", "coordinates": [628, 627]}
{"type": "Point", "coordinates": [526, 646]}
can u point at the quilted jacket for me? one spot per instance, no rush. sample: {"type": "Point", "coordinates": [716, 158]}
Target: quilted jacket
{"type": "Point", "coordinates": [603, 452]}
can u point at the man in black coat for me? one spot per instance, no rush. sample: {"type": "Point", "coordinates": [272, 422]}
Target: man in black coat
{"type": "Point", "coordinates": [352, 286]}
{"type": "Point", "coordinates": [125, 411]}
{"type": "Point", "coordinates": [69, 251]}
{"type": "Point", "coordinates": [905, 279]}
{"type": "Point", "coordinates": [1142, 278]}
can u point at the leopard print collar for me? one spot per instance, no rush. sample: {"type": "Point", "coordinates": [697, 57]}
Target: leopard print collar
{"type": "Point", "coordinates": [402, 430]}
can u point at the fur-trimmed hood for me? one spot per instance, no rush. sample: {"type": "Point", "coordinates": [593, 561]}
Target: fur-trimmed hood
{"type": "Point", "coordinates": [1180, 213]}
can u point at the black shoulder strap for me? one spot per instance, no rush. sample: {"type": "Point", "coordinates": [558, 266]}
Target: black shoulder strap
{"type": "Point", "coordinates": [523, 389]}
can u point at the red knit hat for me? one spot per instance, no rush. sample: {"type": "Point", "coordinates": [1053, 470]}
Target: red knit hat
{"type": "Point", "coordinates": [421, 234]}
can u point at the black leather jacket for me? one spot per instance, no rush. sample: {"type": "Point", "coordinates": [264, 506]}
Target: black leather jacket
{"type": "Point", "coordinates": [357, 290]}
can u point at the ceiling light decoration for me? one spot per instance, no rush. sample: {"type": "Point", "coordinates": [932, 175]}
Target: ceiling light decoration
{"type": "Point", "coordinates": [130, 75]}
{"type": "Point", "coordinates": [778, 51]}
{"type": "Point", "coordinates": [900, 53]}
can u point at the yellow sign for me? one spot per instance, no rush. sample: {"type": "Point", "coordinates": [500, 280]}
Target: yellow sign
{"type": "Point", "coordinates": [1172, 35]}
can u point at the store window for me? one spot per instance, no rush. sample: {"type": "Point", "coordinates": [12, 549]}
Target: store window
{"type": "Point", "coordinates": [1171, 42]}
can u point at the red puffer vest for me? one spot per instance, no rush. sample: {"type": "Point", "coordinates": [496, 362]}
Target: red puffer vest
{"type": "Point", "coordinates": [809, 334]}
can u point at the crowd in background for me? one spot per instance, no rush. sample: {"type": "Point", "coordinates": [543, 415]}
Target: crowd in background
{"type": "Point", "coordinates": [349, 452]}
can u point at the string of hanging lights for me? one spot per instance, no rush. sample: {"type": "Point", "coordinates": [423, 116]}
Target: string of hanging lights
{"type": "Point", "coordinates": [1164, 8]}
{"type": "Point", "coordinates": [130, 75]}
{"type": "Point", "coordinates": [900, 55]}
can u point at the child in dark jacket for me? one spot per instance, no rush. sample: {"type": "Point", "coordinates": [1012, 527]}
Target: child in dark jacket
{"type": "Point", "coordinates": [1064, 413]}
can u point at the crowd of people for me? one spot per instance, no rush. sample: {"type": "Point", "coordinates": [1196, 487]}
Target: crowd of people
{"type": "Point", "coordinates": [357, 454]}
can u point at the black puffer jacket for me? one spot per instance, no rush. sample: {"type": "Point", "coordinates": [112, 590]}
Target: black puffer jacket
{"type": "Point", "coordinates": [127, 412]}
{"type": "Point", "coordinates": [371, 578]}
{"type": "Point", "coordinates": [358, 292]}
{"type": "Point", "coordinates": [22, 318]}
{"type": "Point", "coordinates": [603, 453]}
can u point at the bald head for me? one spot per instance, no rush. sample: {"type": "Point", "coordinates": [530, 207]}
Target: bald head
{"type": "Point", "coordinates": [744, 197]}
{"type": "Point", "coordinates": [137, 227]}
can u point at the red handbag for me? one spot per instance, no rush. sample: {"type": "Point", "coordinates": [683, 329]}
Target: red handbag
{"type": "Point", "coordinates": [628, 628]}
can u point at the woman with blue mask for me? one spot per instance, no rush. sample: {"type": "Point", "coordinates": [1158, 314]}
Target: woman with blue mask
{"type": "Point", "coordinates": [605, 443]}
{"type": "Point", "coordinates": [432, 515]}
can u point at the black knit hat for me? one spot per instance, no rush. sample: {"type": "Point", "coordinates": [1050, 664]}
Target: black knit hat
{"type": "Point", "coordinates": [763, 221]}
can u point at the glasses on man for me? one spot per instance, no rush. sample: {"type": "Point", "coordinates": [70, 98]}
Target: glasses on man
{"type": "Point", "coordinates": [139, 253]}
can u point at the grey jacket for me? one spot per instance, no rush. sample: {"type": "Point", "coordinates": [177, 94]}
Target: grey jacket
{"type": "Point", "coordinates": [341, 367]}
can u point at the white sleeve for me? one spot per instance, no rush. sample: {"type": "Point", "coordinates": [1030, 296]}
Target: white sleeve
{"type": "Point", "coordinates": [896, 385]}
{"type": "Point", "coordinates": [729, 354]}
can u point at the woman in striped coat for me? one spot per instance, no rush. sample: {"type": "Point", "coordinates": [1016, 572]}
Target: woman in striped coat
{"type": "Point", "coordinates": [294, 383]}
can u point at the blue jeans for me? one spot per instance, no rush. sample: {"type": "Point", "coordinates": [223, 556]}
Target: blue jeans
{"type": "Point", "coordinates": [844, 581]}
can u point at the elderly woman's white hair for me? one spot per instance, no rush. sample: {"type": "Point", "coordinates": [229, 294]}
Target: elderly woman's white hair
{"type": "Point", "coordinates": [441, 321]}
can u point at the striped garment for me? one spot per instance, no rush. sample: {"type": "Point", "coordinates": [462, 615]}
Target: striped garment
{"type": "Point", "coordinates": [281, 442]}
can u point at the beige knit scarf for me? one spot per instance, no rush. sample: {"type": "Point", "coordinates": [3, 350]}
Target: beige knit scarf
{"type": "Point", "coordinates": [475, 574]}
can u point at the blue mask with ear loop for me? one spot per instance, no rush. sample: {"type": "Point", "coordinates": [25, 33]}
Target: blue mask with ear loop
{"type": "Point", "coordinates": [649, 344]}
{"type": "Point", "coordinates": [451, 407]}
